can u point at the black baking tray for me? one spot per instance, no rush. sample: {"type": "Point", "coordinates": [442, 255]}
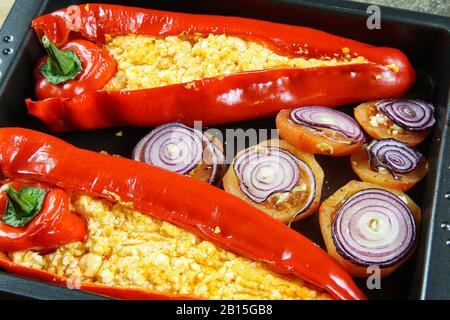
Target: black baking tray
{"type": "Point", "coordinates": [424, 38]}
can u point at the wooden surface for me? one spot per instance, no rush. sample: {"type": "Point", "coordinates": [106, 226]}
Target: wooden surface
{"type": "Point", "coordinates": [5, 5]}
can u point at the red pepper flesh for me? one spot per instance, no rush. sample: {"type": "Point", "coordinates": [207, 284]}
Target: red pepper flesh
{"type": "Point", "coordinates": [174, 198]}
{"type": "Point", "coordinates": [217, 100]}
{"type": "Point", "coordinates": [54, 226]}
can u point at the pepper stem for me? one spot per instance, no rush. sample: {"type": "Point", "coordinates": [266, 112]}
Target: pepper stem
{"type": "Point", "coordinates": [61, 63]}
{"type": "Point", "coordinates": [24, 201]}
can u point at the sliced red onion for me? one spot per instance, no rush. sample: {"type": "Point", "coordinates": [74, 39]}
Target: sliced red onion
{"type": "Point", "coordinates": [326, 118]}
{"type": "Point", "coordinates": [393, 155]}
{"type": "Point", "coordinates": [414, 115]}
{"type": "Point", "coordinates": [263, 171]}
{"type": "Point", "coordinates": [213, 156]}
{"type": "Point", "coordinates": [178, 148]}
{"type": "Point", "coordinates": [374, 227]}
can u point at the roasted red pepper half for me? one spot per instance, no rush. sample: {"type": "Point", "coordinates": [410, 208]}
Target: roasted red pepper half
{"type": "Point", "coordinates": [171, 197]}
{"type": "Point", "coordinates": [223, 99]}
{"type": "Point", "coordinates": [53, 224]}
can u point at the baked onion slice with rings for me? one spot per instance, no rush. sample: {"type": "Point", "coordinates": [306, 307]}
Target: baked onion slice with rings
{"type": "Point", "coordinates": [389, 163]}
{"type": "Point", "coordinates": [182, 149]}
{"type": "Point", "coordinates": [406, 120]}
{"type": "Point", "coordinates": [277, 178]}
{"type": "Point", "coordinates": [367, 226]}
{"type": "Point", "coordinates": [320, 130]}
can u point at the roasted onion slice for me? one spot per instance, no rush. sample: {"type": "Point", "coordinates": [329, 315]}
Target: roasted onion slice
{"type": "Point", "coordinates": [413, 115]}
{"type": "Point", "coordinates": [325, 118]}
{"type": "Point", "coordinates": [320, 130]}
{"type": "Point", "coordinates": [374, 227]}
{"type": "Point", "coordinates": [378, 120]}
{"type": "Point", "coordinates": [277, 178]}
{"type": "Point", "coordinates": [389, 163]}
{"type": "Point", "coordinates": [265, 171]}
{"type": "Point", "coordinates": [393, 155]}
{"type": "Point", "coordinates": [181, 149]}
{"type": "Point", "coordinates": [365, 225]}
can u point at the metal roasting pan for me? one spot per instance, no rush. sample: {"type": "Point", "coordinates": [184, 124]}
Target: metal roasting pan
{"type": "Point", "coordinates": [424, 38]}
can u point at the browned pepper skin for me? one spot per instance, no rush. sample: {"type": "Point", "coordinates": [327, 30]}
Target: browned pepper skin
{"type": "Point", "coordinates": [171, 197]}
{"type": "Point", "coordinates": [217, 100]}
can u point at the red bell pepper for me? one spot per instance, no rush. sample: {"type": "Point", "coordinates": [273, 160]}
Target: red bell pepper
{"type": "Point", "coordinates": [234, 97]}
{"type": "Point", "coordinates": [187, 203]}
{"type": "Point", "coordinates": [54, 226]}
{"type": "Point", "coordinates": [97, 68]}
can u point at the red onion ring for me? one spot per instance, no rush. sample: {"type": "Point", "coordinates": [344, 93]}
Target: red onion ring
{"type": "Point", "coordinates": [325, 118]}
{"type": "Point", "coordinates": [263, 171]}
{"type": "Point", "coordinates": [178, 148]}
{"type": "Point", "coordinates": [212, 156]}
{"type": "Point", "coordinates": [393, 155]}
{"type": "Point", "coordinates": [413, 115]}
{"type": "Point", "coordinates": [374, 227]}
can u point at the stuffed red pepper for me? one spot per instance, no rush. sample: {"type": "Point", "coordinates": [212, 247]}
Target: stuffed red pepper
{"type": "Point", "coordinates": [111, 65]}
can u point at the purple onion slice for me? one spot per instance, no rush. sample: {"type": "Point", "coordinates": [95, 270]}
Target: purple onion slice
{"type": "Point", "coordinates": [213, 156]}
{"type": "Point", "coordinates": [263, 171]}
{"type": "Point", "coordinates": [374, 227]}
{"type": "Point", "coordinates": [178, 148]}
{"type": "Point", "coordinates": [325, 118]}
{"type": "Point", "coordinates": [393, 155]}
{"type": "Point", "coordinates": [414, 115]}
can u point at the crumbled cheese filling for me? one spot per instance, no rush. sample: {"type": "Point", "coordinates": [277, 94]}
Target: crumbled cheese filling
{"type": "Point", "coordinates": [285, 196]}
{"type": "Point", "coordinates": [147, 62]}
{"type": "Point", "coordinates": [281, 197]}
{"type": "Point", "coordinates": [395, 129]}
{"type": "Point", "coordinates": [381, 119]}
{"type": "Point", "coordinates": [125, 248]}
{"type": "Point", "coordinates": [382, 170]}
{"type": "Point", "coordinates": [378, 119]}
{"type": "Point", "coordinates": [325, 147]}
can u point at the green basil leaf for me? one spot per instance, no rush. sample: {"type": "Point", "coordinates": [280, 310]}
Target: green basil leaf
{"type": "Point", "coordinates": [51, 73]}
{"type": "Point", "coordinates": [38, 194]}
{"type": "Point", "coordinates": [23, 206]}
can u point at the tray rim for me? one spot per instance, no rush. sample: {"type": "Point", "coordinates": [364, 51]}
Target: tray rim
{"type": "Point", "coordinates": [22, 12]}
